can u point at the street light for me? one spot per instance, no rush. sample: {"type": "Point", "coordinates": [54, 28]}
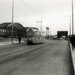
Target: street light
{"type": "Point", "coordinates": [12, 17]}
{"type": "Point", "coordinates": [41, 23]}
{"type": "Point", "coordinates": [69, 24]}
{"type": "Point", "coordinates": [72, 19]}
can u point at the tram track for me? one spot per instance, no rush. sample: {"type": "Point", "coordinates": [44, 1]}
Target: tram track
{"type": "Point", "coordinates": [19, 53]}
{"type": "Point", "coordinates": [28, 57]}
{"type": "Point", "coordinates": [53, 58]}
{"type": "Point", "coordinates": [13, 49]}
{"type": "Point", "coordinates": [10, 47]}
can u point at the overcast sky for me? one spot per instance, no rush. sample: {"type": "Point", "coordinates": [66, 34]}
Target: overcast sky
{"type": "Point", "coordinates": [53, 13]}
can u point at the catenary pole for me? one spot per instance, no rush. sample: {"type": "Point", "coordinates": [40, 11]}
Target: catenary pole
{"type": "Point", "coordinates": [72, 19]}
{"type": "Point", "coordinates": [12, 17]}
{"type": "Point", "coordinates": [70, 26]}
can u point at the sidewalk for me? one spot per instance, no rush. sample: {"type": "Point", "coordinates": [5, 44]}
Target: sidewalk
{"type": "Point", "coordinates": [73, 56]}
{"type": "Point", "coordinates": [8, 41]}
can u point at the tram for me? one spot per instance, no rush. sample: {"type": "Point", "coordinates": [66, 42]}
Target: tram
{"type": "Point", "coordinates": [34, 36]}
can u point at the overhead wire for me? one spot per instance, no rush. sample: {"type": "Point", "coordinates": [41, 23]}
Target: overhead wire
{"type": "Point", "coordinates": [22, 12]}
{"type": "Point", "coordinates": [11, 8]}
{"type": "Point", "coordinates": [29, 6]}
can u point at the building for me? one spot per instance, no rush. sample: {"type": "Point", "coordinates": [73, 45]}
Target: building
{"type": "Point", "coordinates": [62, 34]}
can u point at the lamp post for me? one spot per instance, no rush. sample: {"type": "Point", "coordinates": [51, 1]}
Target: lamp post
{"type": "Point", "coordinates": [69, 24]}
{"type": "Point", "coordinates": [50, 29]}
{"type": "Point", "coordinates": [72, 19]}
{"type": "Point", "coordinates": [12, 17]}
{"type": "Point", "coordinates": [41, 23]}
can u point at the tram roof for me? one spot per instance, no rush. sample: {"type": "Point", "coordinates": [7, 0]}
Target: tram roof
{"type": "Point", "coordinates": [35, 30]}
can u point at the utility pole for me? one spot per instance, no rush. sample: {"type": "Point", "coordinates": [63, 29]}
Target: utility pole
{"type": "Point", "coordinates": [40, 23]}
{"type": "Point", "coordinates": [50, 32]}
{"type": "Point", "coordinates": [70, 26]}
{"type": "Point", "coordinates": [72, 19]}
{"type": "Point", "coordinates": [12, 17]}
{"type": "Point", "coordinates": [69, 23]}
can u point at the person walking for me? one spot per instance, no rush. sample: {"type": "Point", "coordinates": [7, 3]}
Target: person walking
{"type": "Point", "coordinates": [19, 39]}
{"type": "Point", "coordinates": [72, 39]}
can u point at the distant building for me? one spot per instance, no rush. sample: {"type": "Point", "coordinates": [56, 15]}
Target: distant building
{"type": "Point", "coordinates": [61, 34]}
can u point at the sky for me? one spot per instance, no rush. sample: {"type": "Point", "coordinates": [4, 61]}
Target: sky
{"type": "Point", "coordinates": [55, 14]}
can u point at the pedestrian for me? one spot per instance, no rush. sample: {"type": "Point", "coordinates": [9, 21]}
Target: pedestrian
{"type": "Point", "coordinates": [72, 39]}
{"type": "Point", "coordinates": [19, 39]}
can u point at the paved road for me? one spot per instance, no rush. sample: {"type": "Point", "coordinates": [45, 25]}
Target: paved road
{"type": "Point", "coordinates": [50, 58]}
